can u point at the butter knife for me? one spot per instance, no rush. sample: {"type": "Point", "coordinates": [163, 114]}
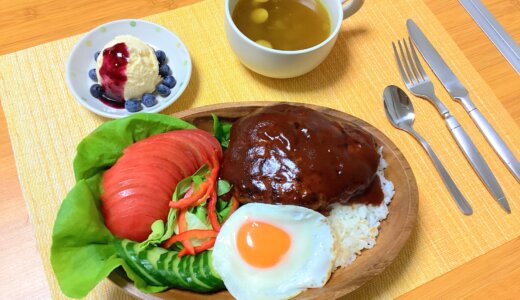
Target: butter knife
{"type": "Point", "coordinates": [459, 93]}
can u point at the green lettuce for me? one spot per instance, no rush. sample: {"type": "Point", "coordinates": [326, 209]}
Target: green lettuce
{"type": "Point", "coordinates": [98, 151]}
{"type": "Point", "coordinates": [221, 131]}
{"type": "Point", "coordinates": [82, 251]}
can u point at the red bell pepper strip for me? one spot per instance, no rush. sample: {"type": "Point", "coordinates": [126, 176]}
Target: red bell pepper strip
{"type": "Point", "coordinates": [206, 245]}
{"type": "Point", "coordinates": [206, 195]}
{"type": "Point", "coordinates": [212, 206]}
{"type": "Point", "coordinates": [234, 206]}
{"type": "Point", "coordinates": [202, 247]}
{"type": "Point", "coordinates": [212, 211]}
{"type": "Point", "coordinates": [192, 199]}
{"type": "Point", "coordinates": [182, 228]}
{"type": "Point", "coordinates": [190, 234]}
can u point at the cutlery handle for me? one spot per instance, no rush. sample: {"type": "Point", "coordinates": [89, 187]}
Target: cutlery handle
{"type": "Point", "coordinates": [496, 142]}
{"type": "Point", "coordinates": [491, 135]}
{"type": "Point", "coordinates": [477, 161]}
{"type": "Point", "coordinates": [452, 187]}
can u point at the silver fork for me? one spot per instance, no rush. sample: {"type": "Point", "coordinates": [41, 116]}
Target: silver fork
{"type": "Point", "coordinates": [418, 82]}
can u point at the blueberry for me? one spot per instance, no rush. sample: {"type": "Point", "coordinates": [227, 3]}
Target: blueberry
{"type": "Point", "coordinates": [96, 91]}
{"type": "Point", "coordinates": [149, 100]}
{"type": "Point", "coordinates": [133, 105]}
{"type": "Point", "coordinates": [169, 81]}
{"type": "Point", "coordinates": [161, 56]}
{"type": "Point", "coordinates": [92, 74]}
{"type": "Point", "coordinates": [96, 55]}
{"type": "Point", "coordinates": [164, 70]}
{"type": "Point", "coordinates": [163, 90]}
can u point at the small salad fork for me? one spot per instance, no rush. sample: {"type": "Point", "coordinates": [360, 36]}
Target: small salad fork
{"type": "Point", "coordinates": [418, 82]}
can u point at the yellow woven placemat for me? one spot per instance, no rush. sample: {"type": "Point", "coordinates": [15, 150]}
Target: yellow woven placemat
{"type": "Point", "coordinates": [46, 123]}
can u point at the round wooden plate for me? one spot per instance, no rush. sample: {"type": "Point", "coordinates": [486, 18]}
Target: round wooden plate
{"type": "Point", "coordinates": [394, 231]}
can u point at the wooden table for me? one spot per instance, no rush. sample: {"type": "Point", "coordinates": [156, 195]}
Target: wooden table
{"type": "Point", "coordinates": [493, 275]}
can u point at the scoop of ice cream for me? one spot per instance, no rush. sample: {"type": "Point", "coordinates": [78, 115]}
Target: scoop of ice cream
{"type": "Point", "coordinates": [127, 68]}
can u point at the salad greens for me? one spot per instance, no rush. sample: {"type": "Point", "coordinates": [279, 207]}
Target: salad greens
{"type": "Point", "coordinates": [221, 131]}
{"type": "Point", "coordinates": [83, 250]}
{"type": "Point", "coordinates": [196, 217]}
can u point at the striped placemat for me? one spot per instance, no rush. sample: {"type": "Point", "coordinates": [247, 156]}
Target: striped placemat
{"type": "Point", "coordinates": [46, 123]}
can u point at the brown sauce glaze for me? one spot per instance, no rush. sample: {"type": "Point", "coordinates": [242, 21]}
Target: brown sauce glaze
{"type": "Point", "coordinates": [373, 195]}
{"type": "Point", "coordinates": [289, 154]}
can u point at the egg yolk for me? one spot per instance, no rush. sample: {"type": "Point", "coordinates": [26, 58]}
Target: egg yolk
{"type": "Point", "coordinates": [262, 245]}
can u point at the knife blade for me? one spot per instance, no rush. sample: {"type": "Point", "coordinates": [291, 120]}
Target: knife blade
{"type": "Point", "coordinates": [459, 93]}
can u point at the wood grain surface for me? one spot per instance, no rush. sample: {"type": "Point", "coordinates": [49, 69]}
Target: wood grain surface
{"type": "Point", "coordinates": [27, 23]}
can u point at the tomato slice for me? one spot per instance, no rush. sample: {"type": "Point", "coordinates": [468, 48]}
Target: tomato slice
{"type": "Point", "coordinates": [137, 189]}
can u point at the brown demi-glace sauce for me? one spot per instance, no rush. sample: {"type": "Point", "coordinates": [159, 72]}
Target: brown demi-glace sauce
{"type": "Point", "coordinates": [285, 154]}
{"type": "Point", "coordinates": [372, 195]}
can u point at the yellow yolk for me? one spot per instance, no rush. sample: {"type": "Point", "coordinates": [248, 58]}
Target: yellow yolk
{"type": "Point", "coordinates": [261, 244]}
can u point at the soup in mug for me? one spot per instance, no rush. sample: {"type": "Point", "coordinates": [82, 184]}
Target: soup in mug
{"type": "Point", "coordinates": [283, 24]}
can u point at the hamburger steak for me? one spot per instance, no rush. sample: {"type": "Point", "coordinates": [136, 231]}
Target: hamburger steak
{"type": "Point", "coordinates": [285, 154]}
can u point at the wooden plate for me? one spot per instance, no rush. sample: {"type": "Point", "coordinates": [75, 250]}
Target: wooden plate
{"type": "Point", "coordinates": [394, 231]}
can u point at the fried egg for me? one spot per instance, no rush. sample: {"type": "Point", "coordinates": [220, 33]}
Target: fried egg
{"type": "Point", "coordinates": [266, 251]}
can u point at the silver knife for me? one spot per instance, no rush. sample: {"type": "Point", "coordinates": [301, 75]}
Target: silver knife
{"type": "Point", "coordinates": [495, 32]}
{"type": "Point", "coordinates": [469, 149]}
{"type": "Point", "coordinates": [459, 93]}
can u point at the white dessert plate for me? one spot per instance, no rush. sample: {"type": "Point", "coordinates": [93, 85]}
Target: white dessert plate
{"type": "Point", "coordinates": [81, 60]}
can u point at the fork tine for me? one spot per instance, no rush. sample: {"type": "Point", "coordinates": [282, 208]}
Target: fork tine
{"type": "Point", "coordinates": [405, 62]}
{"type": "Point", "coordinates": [401, 70]}
{"type": "Point", "coordinates": [411, 62]}
{"type": "Point", "coordinates": [417, 60]}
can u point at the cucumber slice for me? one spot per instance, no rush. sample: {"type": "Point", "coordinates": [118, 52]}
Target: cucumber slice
{"type": "Point", "coordinates": [163, 259]}
{"type": "Point", "coordinates": [213, 272]}
{"type": "Point", "coordinates": [183, 272]}
{"type": "Point", "coordinates": [205, 269]}
{"type": "Point", "coordinates": [165, 270]}
{"type": "Point", "coordinates": [131, 260]}
{"type": "Point", "coordinates": [160, 267]}
{"type": "Point", "coordinates": [174, 270]}
{"type": "Point", "coordinates": [198, 280]}
{"type": "Point", "coordinates": [148, 261]}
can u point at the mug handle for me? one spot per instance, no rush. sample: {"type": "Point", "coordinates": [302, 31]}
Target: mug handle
{"type": "Point", "coordinates": [351, 8]}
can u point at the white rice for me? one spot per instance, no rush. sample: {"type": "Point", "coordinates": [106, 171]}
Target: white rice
{"type": "Point", "coordinates": [356, 226]}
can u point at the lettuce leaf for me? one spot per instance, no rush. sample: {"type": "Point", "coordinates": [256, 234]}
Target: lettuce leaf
{"type": "Point", "coordinates": [160, 231]}
{"type": "Point", "coordinates": [223, 209]}
{"type": "Point", "coordinates": [99, 150]}
{"type": "Point", "coordinates": [221, 131]}
{"type": "Point", "coordinates": [223, 206]}
{"type": "Point", "coordinates": [223, 187]}
{"type": "Point", "coordinates": [82, 251]}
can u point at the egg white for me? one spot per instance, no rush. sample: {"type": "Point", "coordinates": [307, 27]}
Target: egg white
{"type": "Point", "coordinates": [307, 264]}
